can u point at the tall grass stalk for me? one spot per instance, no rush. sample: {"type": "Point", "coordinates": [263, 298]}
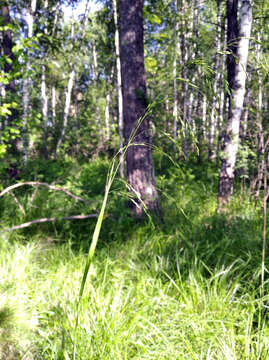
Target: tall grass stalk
{"type": "Point", "coordinates": [115, 165]}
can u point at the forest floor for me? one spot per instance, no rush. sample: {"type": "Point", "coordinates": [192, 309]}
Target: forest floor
{"type": "Point", "coordinates": [187, 287]}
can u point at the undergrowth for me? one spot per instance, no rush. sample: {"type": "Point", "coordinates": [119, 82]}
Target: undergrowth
{"type": "Point", "coordinates": [185, 288]}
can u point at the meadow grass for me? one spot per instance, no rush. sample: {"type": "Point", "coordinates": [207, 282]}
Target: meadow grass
{"type": "Point", "coordinates": [188, 288]}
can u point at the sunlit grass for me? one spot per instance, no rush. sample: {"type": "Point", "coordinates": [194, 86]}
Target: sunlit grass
{"type": "Point", "coordinates": [188, 289]}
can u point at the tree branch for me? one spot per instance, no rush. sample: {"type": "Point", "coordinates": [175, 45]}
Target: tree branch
{"type": "Point", "coordinates": [36, 183]}
{"type": "Point", "coordinates": [44, 220]}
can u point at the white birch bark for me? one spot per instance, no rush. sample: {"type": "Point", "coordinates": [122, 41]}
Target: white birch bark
{"type": "Point", "coordinates": [108, 100]}
{"type": "Point", "coordinates": [236, 106]}
{"type": "Point", "coordinates": [44, 96]}
{"type": "Point", "coordinates": [215, 100]}
{"type": "Point", "coordinates": [204, 109]}
{"type": "Point", "coordinates": [175, 98]}
{"type": "Point", "coordinates": [66, 109]}
{"type": "Point", "coordinates": [223, 96]}
{"type": "Point", "coordinates": [184, 88]}
{"type": "Point", "coordinates": [53, 104]}
{"type": "Point", "coordinates": [119, 84]}
{"type": "Point", "coordinates": [107, 125]}
{"type": "Point", "coordinates": [70, 85]}
{"type": "Point", "coordinates": [29, 18]}
{"type": "Point", "coordinates": [95, 69]}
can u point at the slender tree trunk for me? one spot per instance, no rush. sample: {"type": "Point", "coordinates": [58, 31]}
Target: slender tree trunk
{"type": "Point", "coordinates": [108, 100]}
{"type": "Point", "coordinates": [66, 110]}
{"type": "Point", "coordinates": [215, 100]}
{"type": "Point", "coordinates": [95, 70]}
{"type": "Point", "coordinates": [175, 106]}
{"type": "Point", "coordinates": [53, 104]}
{"type": "Point", "coordinates": [107, 125]}
{"type": "Point", "coordinates": [184, 87]}
{"type": "Point", "coordinates": [68, 95]}
{"type": "Point", "coordinates": [139, 162]}
{"type": "Point", "coordinates": [44, 96]}
{"type": "Point", "coordinates": [27, 83]}
{"type": "Point", "coordinates": [71, 81]}
{"type": "Point", "coordinates": [237, 87]}
{"type": "Point", "coordinates": [119, 85]}
{"type": "Point", "coordinates": [223, 95]}
{"type": "Point", "coordinates": [204, 111]}
{"type": "Point", "coordinates": [44, 108]}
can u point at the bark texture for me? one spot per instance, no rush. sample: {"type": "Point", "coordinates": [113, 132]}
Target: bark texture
{"type": "Point", "coordinates": [237, 81]}
{"type": "Point", "coordinates": [139, 162]}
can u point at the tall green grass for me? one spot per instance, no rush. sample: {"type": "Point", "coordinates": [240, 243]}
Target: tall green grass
{"type": "Point", "coordinates": [188, 289]}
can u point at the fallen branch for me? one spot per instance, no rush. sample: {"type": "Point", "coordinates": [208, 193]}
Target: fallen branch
{"type": "Point", "coordinates": [36, 183]}
{"type": "Point", "coordinates": [44, 220]}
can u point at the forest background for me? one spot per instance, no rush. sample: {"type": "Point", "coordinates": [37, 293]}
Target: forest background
{"type": "Point", "coordinates": [134, 179]}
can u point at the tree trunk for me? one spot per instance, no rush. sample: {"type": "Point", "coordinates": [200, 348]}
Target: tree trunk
{"type": "Point", "coordinates": [95, 70]}
{"type": "Point", "coordinates": [175, 106]}
{"type": "Point", "coordinates": [184, 87]}
{"type": "Point", "coordinates": [44, 108]}
{"type": "Point", "coordinates": [53, 104]}
{"type": "Point", "coordinates": [68, 95]}
{"type": "Point", "coordinates": [66, 110]}
{"type": "Point", "coordinates": [237, 80]}
{"type": "Point", "coordinates": [215, 100]}
{"type": "Point", "coordinates": [119, 85]}
{"type": "Point", "coordinates": [140, 169]}
{"type": "Point", "coordinates": [27, 103]}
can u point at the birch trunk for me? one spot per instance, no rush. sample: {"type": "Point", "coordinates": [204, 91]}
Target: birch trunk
{"type": "Point", "coordinates": [44, 96]}
{"type": "Point", "coordinates": [175, 103]}
{"type": "Point", "coordinates": [95, 70]}
{"type": "Point", "coordinates": [66, 110]}
{"type": "Point", "coordinates": [223, 95]}
{"type": "Point", "coordinates": [108, 100]}
{"type": "Point", "coordinates": [215, 100]}
{"type": "Point", "coordinates": [68, 94]}
{"type": "Point", "coordinates": [44, 108]}
{"type": "Point", "coordinates": [53, 104]}
{"type": "Point", "coordinates": [119, 85]}
{"type": "Point", "coordinates": [27, 83]}
{"type": "Point", "coordinates": [71, 81]}
{"type": "Point", "coordinates": [184, 87]}
{"type": "Point", "coordinates": [226, 179]}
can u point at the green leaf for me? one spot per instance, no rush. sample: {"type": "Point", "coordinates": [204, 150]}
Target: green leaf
{"type": "Point", "coordinates": [154, 19]}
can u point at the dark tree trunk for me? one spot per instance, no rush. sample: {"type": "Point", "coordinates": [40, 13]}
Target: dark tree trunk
{"type": "Point", "coordinates": [139, 163]}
